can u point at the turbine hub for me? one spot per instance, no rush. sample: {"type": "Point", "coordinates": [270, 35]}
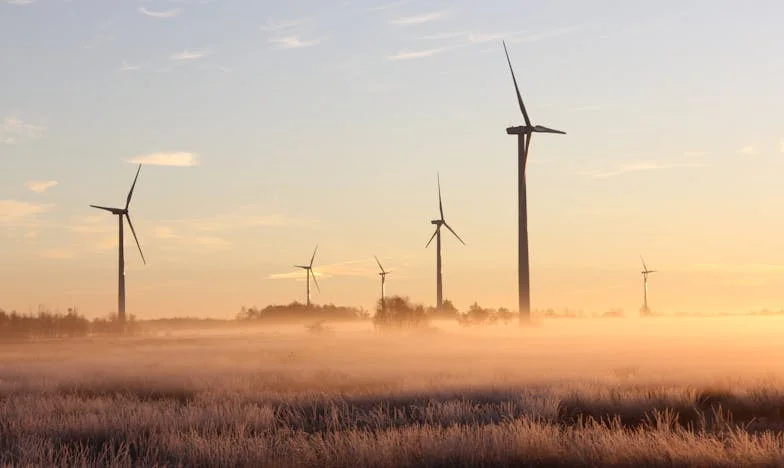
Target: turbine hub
{"type": "Point", "coordinates": [522, 130]}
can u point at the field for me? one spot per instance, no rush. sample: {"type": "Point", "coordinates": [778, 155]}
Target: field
{"type": "Point", "coordinates": [590, 392]}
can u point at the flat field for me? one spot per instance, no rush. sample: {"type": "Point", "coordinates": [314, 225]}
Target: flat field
{"type": "Point", "coordinates": [572, 392]}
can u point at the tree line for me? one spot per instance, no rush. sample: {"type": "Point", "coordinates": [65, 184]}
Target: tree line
{"type": "Point", "coordinates": [45, 324]}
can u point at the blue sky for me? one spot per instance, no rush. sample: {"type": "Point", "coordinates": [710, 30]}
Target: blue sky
{"type": "Point", "coordinates": [309, 122]}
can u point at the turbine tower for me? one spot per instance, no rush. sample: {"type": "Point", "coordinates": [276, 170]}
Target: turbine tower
{"type": "Point", "coordinates": [524, 134]}
{"type": "Point", "coordinates": [308, 273]}
{"type": "Point", "coordinates": [383, 275]}
{"type": "Point", "coordinates": [120, 212]}
{"type": "Point", "coordinates": [645, 272]}
{"type": "Point", "coordinates": [437, 235]}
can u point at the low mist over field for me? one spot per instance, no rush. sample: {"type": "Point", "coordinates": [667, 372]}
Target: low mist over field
{"type": "Point", "coordinates": [709, 347]}
{"type": "Point", "coordinates": [584, 391]}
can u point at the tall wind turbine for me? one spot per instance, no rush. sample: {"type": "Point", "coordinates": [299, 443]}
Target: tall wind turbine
{"type": "Point", "coordinates": [383, 275]}
{"type": "Point", "coordinates": [437, 234]}
{"type": "Point", "coordinates": [524, 134]}
{"type": "Point", "coordinates": [645, 272]}
{"type": "Point", "coordinates": [308, 273]}
{"type": "Point", "coordinates": [123, 212]}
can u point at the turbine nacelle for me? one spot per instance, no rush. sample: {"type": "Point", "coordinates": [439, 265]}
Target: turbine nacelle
{"type": "Point", "coordinates": [124, 212]}
{"type": "Point", "coordinates": [114, 211]}
{"type": "Point", "coordinates": [442, 221]}
{"type": "Point", "coordinates": [527, 130]}
{"type": "Point", "coordinates": [309, 274]}
{"type": "Point", "coordinates": [383, 272]}
{"type": "Point", "coordinates": [645, 271]}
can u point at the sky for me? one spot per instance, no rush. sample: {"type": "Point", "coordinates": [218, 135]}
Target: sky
{"type": "Point", "coordinates": [266, 128]}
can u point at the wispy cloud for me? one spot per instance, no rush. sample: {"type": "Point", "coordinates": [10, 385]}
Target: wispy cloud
{"type": "Point", "coordinates": [442, 36]}
{"type": "Point", "coordinates": [389, 6]}
{"type": "Point", "coordinates": [416, 54]}
{"type": "Point", "coordinates": [419, 19]}
{"type": "Point", "coordinates": [747, 150]}
{"type": "Point", "coordinates": [520, 37]}
{"type": "Point", "coordinates": [287, 34]}
{"type": "Point", "coordinates": [479, 38]}
{"type": "Point", "coordinates": [14, 130]}
{"type": "Point", "coordinates": [177, 159]}
{"type": "Point", "coordinates": [40, 186]}
{"type": "Point", "coordinates": [640, 167]}
{"type": "Point", "coordinates": [275, 25]}
{"type": "Point", "coordinates": [129, 67]}
{"type": "Point", "coordinates": [19, 2]}
{"type": "Point", "coordinates": [292, 275]}
{"type": "Point", "coordinates": [555, 32]}
{"type": "Point", "coordinates": [292, 42]}
{"type": "Point", "coordinates": [15, 212]}
{"type": "Point", "coordinates": [171, 13]}
{"type": "Point", "coordinates": [363, 268]}
{"type": "Point", "coordinates": [187, 55]}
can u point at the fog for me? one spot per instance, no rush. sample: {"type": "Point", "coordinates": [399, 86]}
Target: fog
{"type": "Point", "coordinates": [693, 350]}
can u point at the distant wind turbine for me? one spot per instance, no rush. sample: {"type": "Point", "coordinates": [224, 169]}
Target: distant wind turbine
{"type": "Point", "coordinates": [645, 272]}
{"type": "Point", "coordinates": [437, 235]}
{"type": "Point", "coordinates": [120, 212]}
{"type": "Point", "coordinates": [524, 134]}
{"type": "Point", "coordinates": [383, 275]}
{"type": "Point", "coordinates": [308, 273]}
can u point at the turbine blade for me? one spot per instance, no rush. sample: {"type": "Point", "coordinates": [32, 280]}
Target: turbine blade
{"type": "Point", "coordinates": [644, 267]}
{"type": "Point", "coordinates": [314, 255]}
{"type": "Point", "coordinates": [541, 129]}
{"type": "Point", "coordinates": [133, 231]}
{"type": "Point", "coordinates": [440, 205]}
{"type": "Point", "coordinates": [313, 275]}
{"type": "Point", "coordinates": [105, 208]}
{"type": "Point", "coordinates": [453, 232]}
{"type": "Point", "coordinates": [301, 266]}
{"type": "Point", "coordinates": [517, 89]}
{"type": "Point", "coordinates": [130, 193]}
{"type": "Point", "coordinates": [379, 264]}
{"type": "Point", "coordinates": [432, 237]}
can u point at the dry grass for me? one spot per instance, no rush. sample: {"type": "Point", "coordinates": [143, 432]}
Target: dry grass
{"type": "Point", "coordinates": [540, 397]}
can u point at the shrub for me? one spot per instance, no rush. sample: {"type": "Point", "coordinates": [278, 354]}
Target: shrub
{"type": "Point", "coordinates": [398, 312]}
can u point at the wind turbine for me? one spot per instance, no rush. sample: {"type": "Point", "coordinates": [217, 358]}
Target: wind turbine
{"type": "Point", "coordinates": [383, 275]}
{"type": "Point", "coordinates": [645, 272]}
{"type": "Point", "coordinates": [120, 212]}
{"type": "Point", "coordinates": [524, 134]}
{"type": "Point", "coordinates": [308, 273]}
{"type": "Point", "coordinates": [437, 234]}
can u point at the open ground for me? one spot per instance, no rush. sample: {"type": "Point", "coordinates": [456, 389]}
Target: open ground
{"type": "Point", "coordinates": [582, 392]}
